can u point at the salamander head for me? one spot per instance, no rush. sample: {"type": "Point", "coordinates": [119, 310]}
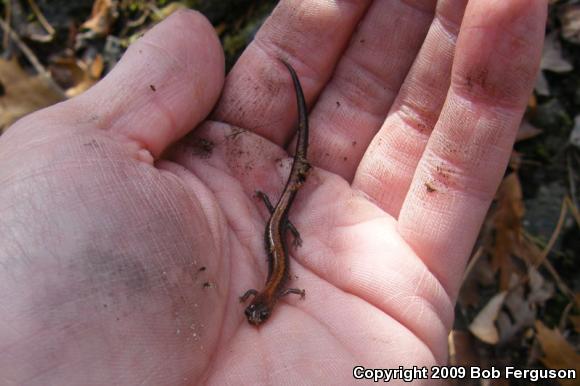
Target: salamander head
{"type": "Point", "coordinates": [258, 312]}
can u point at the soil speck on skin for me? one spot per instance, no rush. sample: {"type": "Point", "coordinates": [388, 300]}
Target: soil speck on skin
{"type": "Point", "coordinates": [235, 133]}
{"type": "Point", "coordinates": [207, 284]}
{"type": "Point", "coordinates": [202, 147]}
{"type": "Point", "coordinates": [430, 188]}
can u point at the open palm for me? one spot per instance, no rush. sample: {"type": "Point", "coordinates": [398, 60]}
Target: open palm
{"type": "Point", "coordinates": [125, 242]}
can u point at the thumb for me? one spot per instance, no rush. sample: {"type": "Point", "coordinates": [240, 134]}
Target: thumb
{"type": "Point", "coordinates": [166, 83]}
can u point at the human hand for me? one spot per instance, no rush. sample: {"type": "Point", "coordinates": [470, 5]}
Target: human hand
{"type": "Point", "coordinates": [122, 258]}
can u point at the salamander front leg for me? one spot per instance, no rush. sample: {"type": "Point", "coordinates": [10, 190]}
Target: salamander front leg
{"type": "Point", "coordinates": [295, 291]}
{"type": "Point", "coordinates": [245, 296]}
{"type": "Point", "coordinates": [291, 227]}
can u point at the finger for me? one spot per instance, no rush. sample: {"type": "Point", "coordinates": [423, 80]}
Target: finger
{"type": "Point", "coordinates": [164, 85]}
{"type": "Point", "coordinates": [310, 35]}
{"type": "Point", "coordinates": [355, 103]}
{"type": "Point", "coordinates": [393, 155]}
{"type": "Point", "coordinates": [496, 62]}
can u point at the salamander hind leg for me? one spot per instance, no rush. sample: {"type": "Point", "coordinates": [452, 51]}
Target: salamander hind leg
{"type": "Point", "coordinates": [297, 239]}
{"type": "Point", "coordinates": [295, 291]}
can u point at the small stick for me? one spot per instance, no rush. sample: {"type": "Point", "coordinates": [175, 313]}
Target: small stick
{"type": "Point", "coordinates": [42, 20]}
{"type": "Point", "coordinates": [30, 56]}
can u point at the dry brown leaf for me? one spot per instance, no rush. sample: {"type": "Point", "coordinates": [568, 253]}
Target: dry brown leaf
{"type": "Point", "coordinates": [23, 93]}
{"type": "Point", "coordinates": [102, 17]}
{"type": "Point", "coordinates": [542, 87]}
{"type": "Point", "coordinates": [462, 349]}
{"type": "Point", "coordinates": [65, 71]}
{"type": "Point", "coordinates": [552, 59]}
{"type": "Point", "coordinates": [483, 326]}
{"type": "Point", "coordinates": [469, 295]}
{"type": "Point", "coordinates": [507, 223]}
{"type": "Point", "coordinates": [516, 159]}
{"type": "Point", "coordinates": [558, 353]}
{"type": "Point", "coordinates": [532, 103]}
{"type": "Point", "coordinates": [168, 10]}
{"type": "Point", "coordinates": [91, 74]}
{"type": "Point", "coordinates": [518, 315]}
{"type": "Point", "coordinates": [77, 75]}
{"type": "Point", "coordinates": [541, 290]}
{"type": "Point", "coordinates": [575, 319]}
{"type": "Point", "coordinates": [522, 302]}
{"type": "Point", "coordinates": [570, 19]}
{"type": "Point", "coordinates": [527, 131]}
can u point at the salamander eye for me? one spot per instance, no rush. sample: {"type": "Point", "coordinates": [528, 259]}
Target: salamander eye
{"type": "Point", "coordinates": [250, 311]}
{"type": "Point", "coordinates": [264, 314]}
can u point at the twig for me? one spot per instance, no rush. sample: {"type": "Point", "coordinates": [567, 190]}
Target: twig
{"type": "Point", "coordinates": [541, 244]}
{"type": "Point", "coordinates": [571, 178]}
{"type": "Point", "coordinates": [31, 57]}
{"type": "Point", "coordinates": [474, 258]}
{"type": "Point", "coordinates": [555, 234]}
{"type": "Point", "coordinates": [573, 209]}
{"type": "Point", "coordinates": [559, 282]}
{"type": "Point", "coordinates": [565, 314]}
{"type": "Point", "coordinates": [7, 19]}
{"type": "Point", "coordinates": [42, 20]}
{"type": "Point", "coordinates": [140, 20]}
{"type": "Point", "coordinates": [24, 48]}
{"type": "Point", "coordinates": [542, 260]}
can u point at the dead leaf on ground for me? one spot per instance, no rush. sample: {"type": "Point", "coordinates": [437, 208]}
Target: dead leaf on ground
{"type": "Point", "coordinates": [541, 290]}
{"type": "Point", "coordinates": [462, 349]}
{"type": "Point", "coordinates": [102, 17]}
{"type": "Point", "coordinates": [552, 58]}
{"type": "Point", "coordinates": [519, 315]}
{"type": "Point", "coordinates": [507, 224]}
{"type": "Point", "coordinates": [532, 103]}
{"type": "Point", "coordinates": [527, 131]}
{"type": "Point", "coordinates": [575, 319]}
{"type": "Point", "coordinates": [77, 75]}
{"type": "Point", "coordinates": [516, 159]}
{"type": "Point", "coordinates": [542, 87]}
{"type": "Point", "coordinates": [558, 353]}
{"type": "Point", "coordinates": [521, 305]}
{"type": "Point", "coordinates": [483, 326]}
{"type": "Point", "coordinates": [81, 74]}
{"type": "Point", "coordinates": [570, 19]}
{"type": "Point", "coordinates": [23, 93]}
{"type": "Point", "coordinates": [166, 11]}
